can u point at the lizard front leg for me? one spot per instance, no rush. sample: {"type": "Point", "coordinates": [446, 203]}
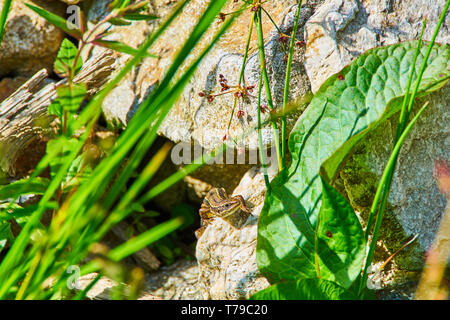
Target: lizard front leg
{"type": "Point", "coordinates": [205, 219]}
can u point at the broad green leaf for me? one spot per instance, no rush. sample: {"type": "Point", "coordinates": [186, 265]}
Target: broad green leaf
{"type": "Point", "coordinates": [66, 57]}
{"type": "Point", "coordinates": [77, 173]}
{"type": "Point", "coordinates": [304, 289]}
{"type": "Point", "coordinates": [23, 187]}
{"type": "Point", "coordinates": [121, 47]}
{"type": "Point", "coordinates": [71, 97]}
{"type": "Point", "coordinates": [347, 106]}
{"type": "Point", "coordinates": [340, 239]}
{"type": "Point", "coordinates": [59, 22]}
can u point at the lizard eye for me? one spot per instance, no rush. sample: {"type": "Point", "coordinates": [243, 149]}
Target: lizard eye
{"type": "Point", "coordinates": [227, 205]}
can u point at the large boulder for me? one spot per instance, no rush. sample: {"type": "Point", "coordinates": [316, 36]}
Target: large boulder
{"type": "Point", "coordinates": [30, 43]}
{"type": "Point", "coordinates": [192, 117]}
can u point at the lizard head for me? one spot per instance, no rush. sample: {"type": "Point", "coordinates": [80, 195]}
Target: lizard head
{"type": "Point", "coordinates": [231, 206]}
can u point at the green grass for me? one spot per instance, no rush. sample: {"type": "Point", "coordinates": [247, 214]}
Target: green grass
{"type": "Point", "coordinates": [3, 16]}
{"type": "Point", "coordinates": [91, 210]}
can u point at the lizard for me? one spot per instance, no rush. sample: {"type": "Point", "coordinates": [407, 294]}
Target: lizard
{"type": "Point", "coordinates": [218, 204]}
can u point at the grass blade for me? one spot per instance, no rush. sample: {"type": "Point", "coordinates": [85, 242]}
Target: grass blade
{"type": "Point", "coordinates": [287, 83]}
{"type": "Point", "coordinates": [61, 23]}
{"type": "Point", "coordinates": [3, 16]}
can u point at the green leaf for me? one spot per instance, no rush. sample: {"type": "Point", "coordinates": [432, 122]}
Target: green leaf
{"type": "Point", "coordinates": [340, 239]}
{"type": "Point", "coordinates": [71, 97]}
{"type": "Point", "coordinates": [119, 22]}
{"type": "Point", "coordinates": [15, 211]}
{"type": "Point", "coordinates": [62, 148]}
{"type": "Point", "coordinates": [3, 16]}
{"type": "Point", "coordinates": [55, 108]}
{"type": "Point", "coordinates": [138, 17]}
{"type": "Point", "coordinates": [66, 57]}
{"type": "Point", "coordinates": [121, 47]}
{"type": "Point", "coordinates": [23, 187]}
{"type": "Point", "coordinates": [347, 106]}
{"type": "Point", "coordinates": [5, 234]}
{"type": "Point", "coordinates": [59, 22]}
{"type": "Point", "coordinates": [304, 289]}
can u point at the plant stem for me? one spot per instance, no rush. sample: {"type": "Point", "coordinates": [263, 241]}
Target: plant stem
{"type": "Point", "coordinates": [286, 85]}
{"type": "Point", "coordinates": [385, 181]}
{"type": "Point", "coordinates": [265, 77]}
{"type": "Point", "coordinates": [241, 74]}
{"type": "Point", "coordinates": [261, 148]}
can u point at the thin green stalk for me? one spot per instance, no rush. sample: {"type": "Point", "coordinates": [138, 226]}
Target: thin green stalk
{"type": "Point", "coordinates": [402, 119]}
{"type": "Point", "coordinates": [80, 295]}
{"type": "Point", "coordinates": [287, 83]}
{"type": "Point", "coordinates": [3, 17]}
{"type": "Point", "coordinates": [404, 115]}
{"type": "Point", "coordinates": [262, 58]}
{"type": "Point", "coordinates": [247, 45]}
{"type": "Point", "coordinates": [241, 74]}
{"type": "Point", "coordinates": [275, 25]}
{"type": "Point", "coordinates": [385, 182]}
{"type": "Point", "coordinates": [261, 147]}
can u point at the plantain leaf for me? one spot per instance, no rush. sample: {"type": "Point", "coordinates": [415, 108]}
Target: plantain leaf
{"type": "Point", "coordinates": [347, 106]}
{"type": "Point", "coordinates": [304, 289]}
{"type": "Point", "coordinates": [340, 242]}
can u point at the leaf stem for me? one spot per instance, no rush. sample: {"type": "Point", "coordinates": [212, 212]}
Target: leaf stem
{"type": "Point", "coordinates": [265, 77]}
{"type": "Point", "coordinates": [261, 148]}
{"type": "Point", "coordinates": [286, 85]}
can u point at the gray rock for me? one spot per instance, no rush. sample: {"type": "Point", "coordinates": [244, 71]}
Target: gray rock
{"type": "Point", "coordinates": [192, 117]}
{"type": "Point", "coordinates": [178, 281]}
{"type": "Point", "coordinates": [30, 43]}
{"type": "Point", "coordinates": [340, 30]}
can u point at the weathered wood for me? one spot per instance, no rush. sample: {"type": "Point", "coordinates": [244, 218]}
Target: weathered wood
{"type": "Point", "coordinates": [23, 115]}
